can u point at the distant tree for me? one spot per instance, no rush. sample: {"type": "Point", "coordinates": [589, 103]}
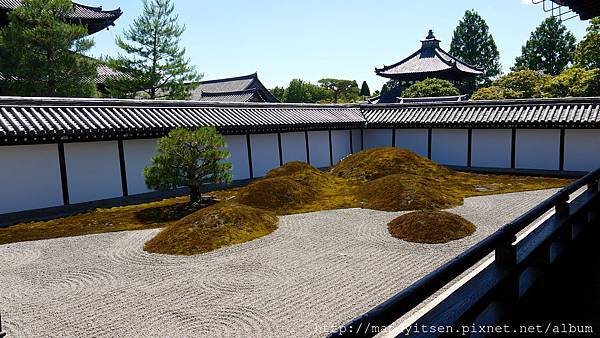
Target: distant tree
{"type": "Point", "coordinates": [299, 91]}
{"type": "Point", "coordinates": [392, 89]}
{"type": "Point", "coordinates": [153, 60]}
{"type": "Point", "coordinates": [430, 88]}
{"type": "Point", "coordinates": [550, 48]}
{"type": "Point", "coordinates": [189, 159]}
{"type": "Point", "coordinates": [364, 89]}
{"type": "Point", "coordinates": [575, 82]}
{"type": "Point", "coordinates": [473, 44]}
{"type": "Point", "coordinates": [278, 92]}
{"type": "Point", "coordinates": [515, 85]}
{"type": "Point", "coordinates": [342, 89]}
{"type": "Point", "coordinates": [42, 52]}
{"type": "Point", "coordinates": [587, 53]}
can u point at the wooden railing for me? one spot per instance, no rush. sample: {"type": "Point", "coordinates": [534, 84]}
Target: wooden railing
{"type": "Point", "coordinates": [486, 297]}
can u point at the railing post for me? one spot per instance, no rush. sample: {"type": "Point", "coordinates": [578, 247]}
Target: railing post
{"type": "Point", "coordinates": [506, 256]}
{"type": "Point", "coordinates": [562, 207]}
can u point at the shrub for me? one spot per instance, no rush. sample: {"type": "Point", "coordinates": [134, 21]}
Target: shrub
{"type": "Point", "coordinates": [431, 88]}
{"type": "Point", "coordinates": [430, 227]}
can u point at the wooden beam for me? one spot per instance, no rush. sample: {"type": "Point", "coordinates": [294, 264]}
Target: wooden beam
{"type": "Point", "coordinates": [280, 149]}
{"type": "Point", "coordinates": [513, 149]}
{"type": "Point", "coordinates": [248, 144]}
{"type": "Point", "coordinates": [330, 149]}
{"type": "Point", "coordinates": [429, 138]}
{"type": "Point", "coordinates": [469, 147]}
{"type": "Point", "coordinates": [351, 142]}
{"type": "Point", "coordinates": [394, 137]}
{"type": "Point", "coordinates": [561, 165]}
{"type": "Point", "coordinates": [307, 147]}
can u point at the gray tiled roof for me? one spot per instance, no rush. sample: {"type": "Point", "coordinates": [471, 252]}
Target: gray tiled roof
{"type": "Point", "coordinates": [428, 60]}
{"type": "Point", "coordinates": [82, 118]}
{"type": "Point", "coordinates": [235, 89]}
{"type": "Point", "coordinates": [35, 120]}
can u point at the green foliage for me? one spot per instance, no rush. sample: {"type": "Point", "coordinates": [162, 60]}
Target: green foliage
{"type": "Point", "coordinates": [278, 92]}
{"type": "Point", "coordinates": [343, 90]}
{"type": "Point", "coordinates": [473, 44]}
{"type": "Point", "coordinates": [392, 88]}
{"type": "Point", "coordinates": [430, 88]}
{"type": "Point", "coordinates": [515, 85]}
{"type": "Point", "coordinates": [42, 52]}
{"type": "Point", "coordinates": [576, 82]}
{"type": "Point", "coordinates": [549, 49]}
{"type": "Point", "coordinates": [153, 60]}
{"type": "Point", "coordinates": [190, 159]}
{"type": "Point", "coordinates": [300, 91]}
{"type": "Point", "coordinates": [587, 53]}
{"type": "Point", "coordinates": [364, 89]}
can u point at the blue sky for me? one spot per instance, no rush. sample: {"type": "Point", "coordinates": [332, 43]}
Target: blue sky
{"type": "Point", "coordinates": [313, 39]}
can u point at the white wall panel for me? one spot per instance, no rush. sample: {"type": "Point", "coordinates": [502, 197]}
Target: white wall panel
{"type": "Point", "coordinates": [318, 142]}
{"type": "Point", "coordinates": [138, 155]}
{"type": "Point", "coordinates": [449, 146]}
{"type": "Point", "coordinates": [375, 138]}
{"type": "Point", "coordinates": [537, 149]}
{"type": "Point", "coordinates": [340, 142]}
{"type": "Point", "coordinates": [265, 153]}
{"type": "Point", "coordinates": [93, 171]}
{"type": "Point", "coordinates": [414, 140]}
{"type": "Point", "coordinates": [356, 140]}
{"type": "Point", "coordinates": [581, 149]}
{"type": "Point", "coordinates": [237, 146]}
{"type": "Point", "coordinates": [293, 147]}
{"type": "Point", "coordinates": [29, 178]}
{"type": "Point", "coordinates": [491, 148]}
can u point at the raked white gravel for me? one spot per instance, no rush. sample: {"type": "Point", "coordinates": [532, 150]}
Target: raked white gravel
{"type": "Point", "coordinates": [317, 271]}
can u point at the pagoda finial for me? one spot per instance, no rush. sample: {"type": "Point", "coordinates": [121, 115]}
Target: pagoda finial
{"type": "Point", "coordinates": [430, 36]}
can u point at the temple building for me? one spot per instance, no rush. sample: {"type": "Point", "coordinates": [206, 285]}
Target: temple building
{"type": "Point", "coordinates": [247, 88]}
{"type": "Point", "coordinates": [430, 61]}
{"type": "Point", "coordinates": [94, 18]}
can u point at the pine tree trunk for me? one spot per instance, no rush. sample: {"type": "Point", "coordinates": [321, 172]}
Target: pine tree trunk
{"type": "Point", "coordinates": [195, 195]}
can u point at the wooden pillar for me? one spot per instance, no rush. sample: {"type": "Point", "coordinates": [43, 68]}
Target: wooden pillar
{"type": "Point", "coordinates": [330, 149]}
{"type": "Point", "coordinates": [429, 138]}
{"type": "Point", "coordinates": [394, 137]}
{"type": "Point", "coordinates": [63, 173]}
{"type": "Point", "coordinates": [123, 168]}
{"type": "Point", "coordinates": [280, 149]}
{"type": "Point", "coordinates": [469, 147]}
{"type": "Point", "coordinates": [351, 142]}
{"type": "Point", "coordinates": [307, 147]}
{"type": "Point", "coordinates": [561, 164]}
{"type": "Point", "coordinates": [248, 144]}
{"type": "Point", "coordinates": [513, 149]}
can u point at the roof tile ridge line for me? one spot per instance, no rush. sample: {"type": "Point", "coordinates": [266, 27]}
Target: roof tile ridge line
{"type": "Point", "coordinates": [241, 77]}
{"type": "Point", "coordinates": [258, 82]}
{"type": "Point", "coordinates": [453, 64]}
{"type": "Point", "coordinates": [386, 68]}
{"type": "Point", "coordinates": [230, 92]}
{"type": "Point", "coordinates": [99, 8]}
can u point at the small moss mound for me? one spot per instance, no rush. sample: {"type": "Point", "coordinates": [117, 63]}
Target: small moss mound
{"type": "Point", "coordinates": [375, 163]}
{"type": "Point", "coordinates": [398, 192]}
{"type": "Point", "coordinates": [208, 229]}
{"type": "Point", "coordinates": [430, 227]}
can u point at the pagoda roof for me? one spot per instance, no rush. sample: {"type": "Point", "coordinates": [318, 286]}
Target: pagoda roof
{"type": "Point", "coordinates": [247, 88]}
{"type": "Point", "coordinates": [429, 61]}
{"type": "Point", "coordinates": [94, 18]}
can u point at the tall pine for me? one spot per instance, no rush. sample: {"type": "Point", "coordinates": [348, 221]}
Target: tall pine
{"type": "Point", "coordinates": [364, 89]}
{"type": "Point", "coordinates": [153, 62]}
{"type": "Point", "coordinates": [550, 48]}
{"type": "Point", "coordinates": [42, 52]}
{"type": "Point", "coordinates": [473, 44]}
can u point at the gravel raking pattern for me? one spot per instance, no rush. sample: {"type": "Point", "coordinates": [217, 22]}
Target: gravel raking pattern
{"type": "Point", "coordinates": [314, 273]}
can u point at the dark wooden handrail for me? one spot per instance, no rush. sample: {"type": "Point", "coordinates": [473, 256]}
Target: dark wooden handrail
{"type": "Point", "coordinates": [400, 304]}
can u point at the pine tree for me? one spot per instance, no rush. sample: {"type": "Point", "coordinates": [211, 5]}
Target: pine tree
{"type": "Point", "coordinates": [549, 49]}
{"type": "Point", "coordinates": [364, 89]}
{"type": "Point", "coordinates": [472, 43]}
{"type": "Point", "coordinates": [154, 63]}
{"type": "Point", "coordinates": [42, 52]}
{"type": "Point", "coordinates": [587, 54]}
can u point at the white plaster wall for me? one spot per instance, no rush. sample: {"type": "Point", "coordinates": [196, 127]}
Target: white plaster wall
{"type": "Point", "coordinates": [93, 171]}
{"type": "Point", "coordinates": [340, 142]}
{"type": "Point", "coordinates": [265, 153]}
{"type": "Point", "coordinates": [449, 146]}
{"type": "Point", "coordinates": [293, 147]}
{"type": "Point", "coordinates": [414, 140]}
{"type": "Point", "coordinates": [375, 138]}
{"type": "Point", "coordinates": [491, 148]}
{"type": "Point", "coordinates": [138, 155]}
{"type": "Point", "coordinates": [29, 178]}
{"type": "Point", "coordinates": [236, 144]}
{"type": "Point", "coordinates": [581, 149]}
{"type": "Point", "coordinates": [318, 142]}
{"type": "Point", "coordinates": [537, 149]}
{"type": "Point", "coordinates": [356, 143]}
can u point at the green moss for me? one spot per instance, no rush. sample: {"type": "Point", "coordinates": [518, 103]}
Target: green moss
{"type": "Point", "coordinates": [217, 226]}
{"type": "Point", "coordinates": [430, 227]}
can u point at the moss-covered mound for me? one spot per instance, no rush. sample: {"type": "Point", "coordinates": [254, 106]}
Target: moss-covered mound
{"type": "Point", "coordinates": [399, 192]}
{"type": "Point", "coordinates": [430, 227]}
{"type": "Point", "coordinates": [374, 163]}
{"type": "Point", "coordinates": [208, 229]}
